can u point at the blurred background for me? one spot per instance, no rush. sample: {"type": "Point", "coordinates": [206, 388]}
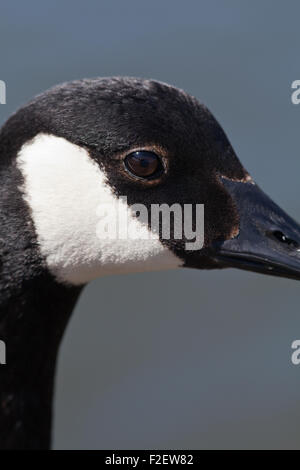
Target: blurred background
{"type": "Point", "coordinates": [206, 363]}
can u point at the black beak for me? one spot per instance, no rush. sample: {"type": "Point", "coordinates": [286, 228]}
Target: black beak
{"type": "Point", "coordinates": [268, 241]}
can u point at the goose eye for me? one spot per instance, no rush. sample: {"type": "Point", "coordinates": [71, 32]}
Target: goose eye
{"type": "Point", "coordinates": [143, 164]}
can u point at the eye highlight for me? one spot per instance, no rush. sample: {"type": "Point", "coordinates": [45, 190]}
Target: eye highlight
{"type": "Point", "coordinates": [144, 164]}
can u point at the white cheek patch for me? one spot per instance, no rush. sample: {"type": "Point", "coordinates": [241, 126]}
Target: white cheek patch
{"type": "Point", "coordinates": [64, 188]}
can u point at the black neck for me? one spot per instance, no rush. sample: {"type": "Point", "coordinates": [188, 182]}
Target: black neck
{"type": "Point", "coordinates": [32, 322]}
{"type": "Point", "coordinates": [34, 311]}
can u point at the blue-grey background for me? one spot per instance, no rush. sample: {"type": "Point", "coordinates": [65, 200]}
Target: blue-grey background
{"type": "Point", "coordinates": [204, 361]}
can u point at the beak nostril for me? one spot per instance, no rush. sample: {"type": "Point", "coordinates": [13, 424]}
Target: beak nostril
{"type": "Point", "coordinates": [282, 238]}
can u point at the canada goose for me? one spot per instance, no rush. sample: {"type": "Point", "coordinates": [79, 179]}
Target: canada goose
{"type": "Point", "coordinates": [92, 141]}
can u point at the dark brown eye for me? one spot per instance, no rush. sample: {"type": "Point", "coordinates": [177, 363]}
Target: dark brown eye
{"type": "Point", "coordinates": [144, 164]}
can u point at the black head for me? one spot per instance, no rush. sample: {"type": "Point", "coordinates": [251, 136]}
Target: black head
{"type": "Point", "coordinates": [158, 145]}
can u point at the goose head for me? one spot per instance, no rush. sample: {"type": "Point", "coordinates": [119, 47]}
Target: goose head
{"type": "Point", "coordinates": [102, 155]}
{"type": "Point", "coordinates": [83, 168]}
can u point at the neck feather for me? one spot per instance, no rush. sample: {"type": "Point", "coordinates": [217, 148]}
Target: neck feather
{"type": "Point", "coordinates": [34, 311]}
{"type": "Point", "coordinates": [32, 323]}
